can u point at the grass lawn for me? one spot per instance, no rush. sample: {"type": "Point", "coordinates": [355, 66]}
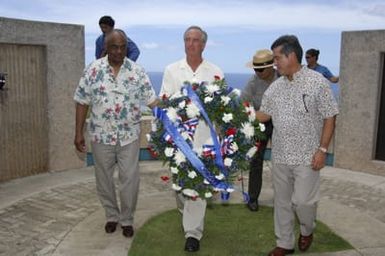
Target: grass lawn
{"type": "Point", "coordinates": [230, 229]}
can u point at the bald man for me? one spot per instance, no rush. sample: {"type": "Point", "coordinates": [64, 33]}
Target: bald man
{"type": "Point", "coordinates": [115, 88]}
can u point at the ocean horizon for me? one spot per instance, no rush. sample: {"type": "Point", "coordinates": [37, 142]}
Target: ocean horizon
{"type": "Point", "coordinates": [235, 80]}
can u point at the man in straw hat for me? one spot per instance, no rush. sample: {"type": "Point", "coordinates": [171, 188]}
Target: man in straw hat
{"type": "Point", "coordinates": [265, 74]}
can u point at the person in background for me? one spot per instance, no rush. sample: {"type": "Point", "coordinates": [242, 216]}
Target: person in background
{"type": "Point", "coordinates": [114, 88]}
{"type": "Point", "coordinates": [312, 63]}
{"type": "Point", "coordinates": [106, 24]}
{"type": "Point", "coordinates": [194, 69]}
{"type": "Point", "coordinates": [303, 110]}
{"type": "Point", "coordinates": [265, 74]}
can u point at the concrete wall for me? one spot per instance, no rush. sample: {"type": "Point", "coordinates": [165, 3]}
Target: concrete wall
{"type": "Point", "coordinates": [64, 45]}
{"type": "Point", "coordinates": [360, 80]}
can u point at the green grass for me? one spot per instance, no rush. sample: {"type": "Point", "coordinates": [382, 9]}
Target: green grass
{"type": "Point", "coordinates": [229, 230]}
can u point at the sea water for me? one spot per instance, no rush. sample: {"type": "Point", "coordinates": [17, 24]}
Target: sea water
{"type": "Point", "coordinates": [235, 80]}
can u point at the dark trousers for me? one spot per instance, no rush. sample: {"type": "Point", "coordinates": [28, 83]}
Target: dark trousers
{"type": "Point", "coordinates": [256, 166]}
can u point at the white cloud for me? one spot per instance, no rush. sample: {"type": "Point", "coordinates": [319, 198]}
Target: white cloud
{"type": "Point", "coordinates": [212, 43]}
{"type": "Point", "coordinates": [150, 46]}
{"type": "Point", "coordinates": [339, 15]}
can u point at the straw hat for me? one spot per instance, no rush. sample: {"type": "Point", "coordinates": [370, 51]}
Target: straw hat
{"type": "Point", "coordinates": [261, 59]}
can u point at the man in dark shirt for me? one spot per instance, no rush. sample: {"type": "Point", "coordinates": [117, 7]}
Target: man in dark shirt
{"type": "Point", "coordinates": [107, 24]}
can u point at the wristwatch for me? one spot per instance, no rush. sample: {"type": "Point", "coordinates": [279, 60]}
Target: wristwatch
{"type": "Point", "coordinates": [323, 150]}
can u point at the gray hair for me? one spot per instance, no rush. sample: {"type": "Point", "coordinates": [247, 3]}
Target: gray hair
{"type": "Point", "coordinates": [204, 33]}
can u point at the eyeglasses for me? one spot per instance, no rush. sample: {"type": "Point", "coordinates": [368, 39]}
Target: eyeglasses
{"type": "Point", "coordinates": [259, 70]}
{"type": "Point", "coordinates": [308, 57]}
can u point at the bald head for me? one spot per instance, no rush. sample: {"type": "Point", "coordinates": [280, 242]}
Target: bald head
{"type": "Point", "coordinates": [116, 46]}
{"type": "Point", "coordinates": [115, 33]}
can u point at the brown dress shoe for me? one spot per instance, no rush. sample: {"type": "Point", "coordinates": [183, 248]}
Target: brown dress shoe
{"type": "Point", "coordinates": [128, 231]}
{"type": "Point", "coordinates": [110, 226]}
{"type": "Point", "coordinates": [304, 242]}
{"type": "Point", "coordinates": [279, 251]}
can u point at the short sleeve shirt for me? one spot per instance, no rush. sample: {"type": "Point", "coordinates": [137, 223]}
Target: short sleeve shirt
{"type": "Point", "coordinates": [298, 109]}
{"type": "Point", "coordinates": [115, 101]}
{"type": "Point", "coordinates": [324, 71]}
{"type": "Point", "coordinates": [255, 89]}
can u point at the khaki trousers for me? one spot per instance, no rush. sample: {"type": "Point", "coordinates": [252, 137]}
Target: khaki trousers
{"type": "Point", "coordinates": [296, 192]}
{"type": "Point", "coordinates": [193, 215]}
{"type": "Point", "coordinates": [126, 158]}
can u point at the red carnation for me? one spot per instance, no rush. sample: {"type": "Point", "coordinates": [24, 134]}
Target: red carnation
{"type": "Point", "coordinates": [258, 144]}
{"type": "Point", "coordinates": [164, 97]}
{"type": "Point", "coordinates": [246, 104]}
{"type": "Point", "coordinates": [231, 131]}
{"type": "Point", "coordinates": [165, 178]}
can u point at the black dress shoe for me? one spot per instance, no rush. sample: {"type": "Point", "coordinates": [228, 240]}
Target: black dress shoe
{"type": "Point", "coordinates": [192, 244]}
{"type": "Point", "coordinates": [128, 231]}
{"type": "Point", "coordinates": [253, 206]}
{"type": "Point", "coordinates": [110, 226]}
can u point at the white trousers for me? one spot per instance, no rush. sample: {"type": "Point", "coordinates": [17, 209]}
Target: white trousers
{"type": "Point", "coordinates": [296, 192]}
{"type": "Point", "coordinates": [193, 215]}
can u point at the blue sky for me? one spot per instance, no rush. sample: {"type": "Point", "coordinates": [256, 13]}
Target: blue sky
{"type": "Point", "coordinates": [236, 28]}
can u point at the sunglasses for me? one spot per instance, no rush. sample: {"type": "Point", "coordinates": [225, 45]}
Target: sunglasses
{"type": "Point", "coordinates": [308, 57]}
{"type": "Point", "coordinates": [259, 70]}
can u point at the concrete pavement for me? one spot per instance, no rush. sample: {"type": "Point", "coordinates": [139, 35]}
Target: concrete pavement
{"type": "Point", "coordinates": [58, 213]}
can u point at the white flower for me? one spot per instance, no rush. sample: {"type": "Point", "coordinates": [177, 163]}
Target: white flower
{"type": "Point", "coordinates": [211, 88]}
{"type": "Point", "coordinates": [230, 190]}
{"type": "Point", "coordinates": [174, 170]}
{"type": "Point", "coordinates": [176, 187]}
{"type": "Point", "coordinates": [182, 104]}
{"type": "Point", "coordinates": [172, 114]}
{"type": "Point", "coordinates": [206, 182]}
{"type": "Point", "coordinates": [227, 117]}
{"type": "Point", "coordinates": [228, 161]}
{"type": "Point", "coordinates": [169, 152]}
{"type": "Point", "coordinates": [176, 95]}
{"type": "Point", "coordinates": [192, 174]}
{"type": "Point", "coordinates": [220, 176]}
{"type": "Point", "coordinates": [248, 130]}
{"type": "Point", "coordinates": [208, 194]}
{"type": "Point", "coordinates": [179, 158]}
{"type": "Point", "coordinates": [190, 192]}
{"type": "Point", "coordinates": [251, 152]}
{"type": "Point", "coordinates": [225, 100]}
{"type": "Point", "coordinates": [148, 137]}
{"type": "Point", "coordinates": [262, 127]}
{"type": "Point", "coordinates": [237, 92]}
{"type": "Point", "coordinates": [251, 113]}
{"type": "Point", "coordinates": [208, 99]}
{"type": "Point", "coordinates": [252, 116]}
{"type": "Point", "coordinates": [234, 146]}
{"type": "Point", "coordinates": [153, 127]}
{"type": "Point", "coordinates": [192, 110]}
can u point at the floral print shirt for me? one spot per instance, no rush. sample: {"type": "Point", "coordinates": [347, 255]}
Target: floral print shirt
{"type": "Point", "coordinates": [298, 109]}
{"type": "Point", "coordinates": [115, 102]}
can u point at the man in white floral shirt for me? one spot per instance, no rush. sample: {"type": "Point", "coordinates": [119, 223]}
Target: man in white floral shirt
{"type": "Point", "coordinates": [115, 88]}
{"type": "Point", "coordinates": [303, 110]}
